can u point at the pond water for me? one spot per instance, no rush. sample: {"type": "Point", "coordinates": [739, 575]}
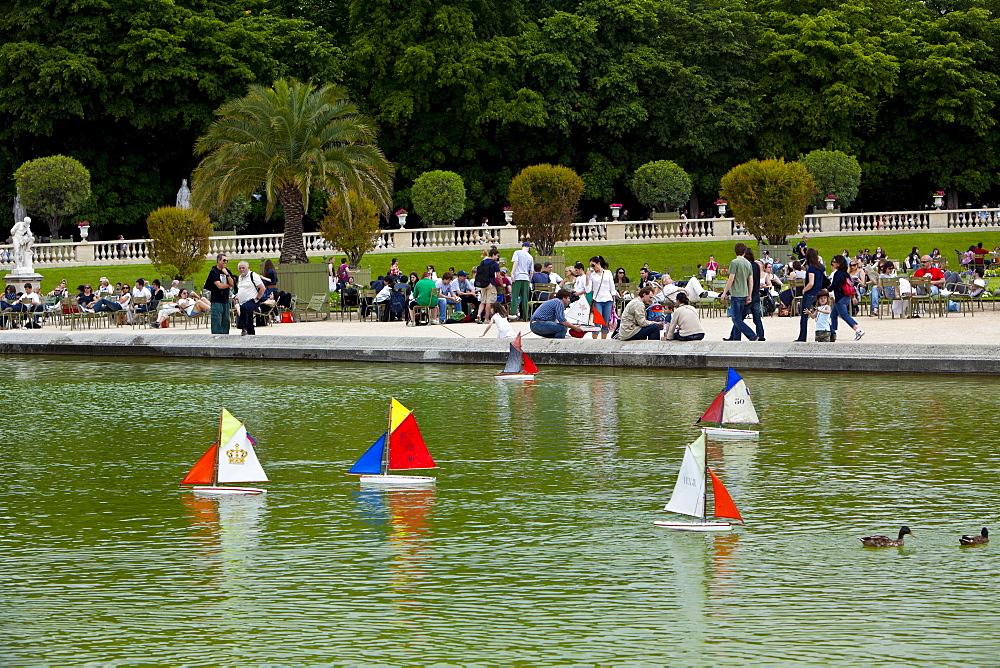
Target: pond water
{"type": "Point", "coordinates": [535, 546]}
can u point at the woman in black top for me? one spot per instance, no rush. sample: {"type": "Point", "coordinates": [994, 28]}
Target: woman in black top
{"type": "Point", "coordinates": [844, 294]}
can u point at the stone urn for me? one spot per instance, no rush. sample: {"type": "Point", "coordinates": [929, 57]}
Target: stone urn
{"type": "Point", "coordinates": [402, 219]}
{"type": "Point", "coordinates": [508, 216]}
{"type": "Point", "coordinates": [84, 232]}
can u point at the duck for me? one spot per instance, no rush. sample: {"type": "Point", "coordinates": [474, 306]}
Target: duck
{"type": "Point", "coordinates": [981, 539]}
{"type": "Point", "coordinates": [885, 541]}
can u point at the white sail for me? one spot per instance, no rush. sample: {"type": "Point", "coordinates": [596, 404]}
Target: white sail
{"type": "Point", "coordinates": [737, 405]}
{"type": "Point", "coordinates": [238, 460]}
{"type": "Point", "coordinates": [689, 491]}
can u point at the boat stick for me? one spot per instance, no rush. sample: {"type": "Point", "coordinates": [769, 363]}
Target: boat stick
{"type": "Point", "coordinates": [454, 332]}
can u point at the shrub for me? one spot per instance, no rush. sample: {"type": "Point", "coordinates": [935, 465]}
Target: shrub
{"type": "Point", "coordinates": [180, 240]}
{"type": "Point", "coordinates": [438, 196]}
{"type": "Point", "coordinates": [545, 200]}
{"type": "Point", "coordinates": [661, 185]}
{"type": "Point", "coordinates": [835, 173]}
{"type": "Point", "coordinates": [351, 225]}
{"type": "Point", "coordinates": [52, 188]}
{"type": "Point", "coordinates": [769, 197]}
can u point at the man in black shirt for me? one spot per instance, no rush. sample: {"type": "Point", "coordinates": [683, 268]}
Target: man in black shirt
{"type": "Point", "coordinates": [220, 284]}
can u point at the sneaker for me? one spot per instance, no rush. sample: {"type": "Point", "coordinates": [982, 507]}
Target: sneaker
{"type": "Point", "coordinates": [154, 325]}
{"type": "Point", "coordinates": [858, 334]}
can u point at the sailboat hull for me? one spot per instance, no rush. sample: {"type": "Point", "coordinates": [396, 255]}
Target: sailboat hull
{"type": "Point", "coordinates": [694, 526]}
{"type": "Point", "coordinates": [216, 490]}
{"type": "Point", "coordinates": [396, 480]}
{"type": "Point", "coordinates": [721, 432]}
{"type": "Point", "coordinates": [514, 376]}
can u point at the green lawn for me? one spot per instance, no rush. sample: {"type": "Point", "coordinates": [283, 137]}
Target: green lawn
{"type": "Point", "coordinates": [658, 255]}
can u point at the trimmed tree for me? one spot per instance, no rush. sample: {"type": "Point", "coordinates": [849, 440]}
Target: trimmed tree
{"type": "Point", "coordinates": [286, 140]}
{"type": "Point", "coordinates": [351, 226]}
{"type": "Point", "coordinates": [835, 173]}
{"type": "Point", "coordinates": [438, 196]}
{"type": "Point", "coordinates": [662, 185]}
{"type": "Point", "coordinates": [180, 240]}
{"type": "Point", "coordinates": [545, 199]}
{"type": "Point", "coordinates": [769, 197]}
{"type": "Point", "coordinates": [52, 188]}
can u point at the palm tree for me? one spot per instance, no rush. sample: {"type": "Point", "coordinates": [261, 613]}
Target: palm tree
{"type": "Point", "coordinates": [286, 140]}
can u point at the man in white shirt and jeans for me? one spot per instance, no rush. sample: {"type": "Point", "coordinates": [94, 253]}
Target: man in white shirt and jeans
{"type": "Point", "coordinates": [521, 275]}
{"type": "Point", "coordinates": [249, 293]}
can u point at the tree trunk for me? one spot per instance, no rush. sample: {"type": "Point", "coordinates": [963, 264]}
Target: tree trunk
{"type": "Point", "coordinates": [54, 224]}
{"type": "Point", "coordinates": [293, 249]}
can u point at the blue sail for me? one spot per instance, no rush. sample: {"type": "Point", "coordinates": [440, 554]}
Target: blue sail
{"type": "Point", "coordinates": [371, 462]}
{"type": "Point", "coordinates": [732, 378]}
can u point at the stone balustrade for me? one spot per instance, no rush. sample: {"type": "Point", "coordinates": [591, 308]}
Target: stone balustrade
{"type": "Point", "coordinates": [136, 251]}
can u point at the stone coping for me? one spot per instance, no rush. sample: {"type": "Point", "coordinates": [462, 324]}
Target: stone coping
{"type": "Point", "coordinates": [912, 358]}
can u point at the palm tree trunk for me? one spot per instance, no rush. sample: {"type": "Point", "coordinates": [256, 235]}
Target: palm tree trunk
{"type": "Point", "coordinates": [293, 249]}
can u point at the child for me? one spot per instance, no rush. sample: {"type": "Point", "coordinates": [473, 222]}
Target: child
{"type": "Point", "coordinates": [821, 312]}
{"type": "Point", "coordinates": [499, 318]}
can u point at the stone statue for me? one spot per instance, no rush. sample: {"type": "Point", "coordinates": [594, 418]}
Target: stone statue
{"type": "Point", "coordinates": [19, 212]}
{"type": "Point", "coordinates": [23, 240]}
{"type": "Point", "coordinates": [184, 196]}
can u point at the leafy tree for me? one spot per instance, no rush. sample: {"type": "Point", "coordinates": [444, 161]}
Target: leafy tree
{"type": "Point", "coordinates": [233, 217]}
{"type": "Point", "coordinates": [769, 197]}
{"type": "Point", "coordinates": [351, 225]}
{"type": "Point", "coordinates": [835, 173]}
{"type": "Point", "coordinates": [180, 240]}
{"type": "Point", "coordinates": [285, 140]}
{"type": "Point", "coordinates": [545, 200]}
{"type": "Point", "coordinates": [53, 187]}
{"type": "Point", "coordinates": [661, 185]}
{"type": "Point", "coordinates": [438, 196]}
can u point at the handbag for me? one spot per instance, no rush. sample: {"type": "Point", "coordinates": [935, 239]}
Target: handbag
{"type": "Point", "coordinates": [287, 317]}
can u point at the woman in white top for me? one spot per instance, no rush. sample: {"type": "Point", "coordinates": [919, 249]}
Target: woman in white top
{"type": "Point", "coordinates": [602, 285]}
{"type": "Point", "coordinates": [499, 318]}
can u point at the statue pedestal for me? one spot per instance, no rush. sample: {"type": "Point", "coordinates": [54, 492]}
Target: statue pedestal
{"type": "Point", "coordinates": [18, 279]}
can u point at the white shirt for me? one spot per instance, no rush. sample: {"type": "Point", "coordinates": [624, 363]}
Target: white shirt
{"type": "Point", "coordinates": [142, 292]}
{"type": "Point", "coordinates": [33, 297]}
{"type": "Point", "coordinates": [524, 264]}
{"type": "Point", "coordinates": [504, 330]}
{"type": "Point", "coordinates": [105, 290]}
{"type": "Point", "coordinates": [171, 292]}
{"type": "Point", "coordinates": [246, 287]}
{"type": "Point", "coordinates": [580, 284]}
{"type": "Point", "coordinates": [603, 286]}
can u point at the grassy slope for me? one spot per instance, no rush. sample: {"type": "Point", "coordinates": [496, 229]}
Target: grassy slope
{"type": "Point", "coordinates": [658, 255]}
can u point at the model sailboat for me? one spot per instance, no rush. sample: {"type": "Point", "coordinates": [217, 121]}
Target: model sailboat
{"type": "Point", "coordinates": [732, 405]}
{"type": "Point", "coordinates": [401, 447]}
{"type": "Point", "coordinates": [690, 495]}
{"type": "Point", "coordinates": [519, 365]}
{"type": "Point", "coordinates": [233, 461]}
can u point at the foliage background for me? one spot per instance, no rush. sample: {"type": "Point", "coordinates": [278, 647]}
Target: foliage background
{"type": "Point", "coordinates": [484, 89]}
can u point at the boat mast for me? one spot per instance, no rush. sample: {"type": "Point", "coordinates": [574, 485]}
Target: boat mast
{"type": "Point", "coordinates": [218, 450]}
{"type": "Point", "coordinates": [385, 450]}
{"type": "Point", "coordinates": [704, 498]}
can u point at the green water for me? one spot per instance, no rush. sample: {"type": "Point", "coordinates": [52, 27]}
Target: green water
{"type": "Point", "coordinates": [536, 545]}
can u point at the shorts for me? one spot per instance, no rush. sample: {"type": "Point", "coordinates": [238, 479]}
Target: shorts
{"type": "Point", "coordinates": [822, 336]}
{"type": "Point", "coordinates": [489, 295]}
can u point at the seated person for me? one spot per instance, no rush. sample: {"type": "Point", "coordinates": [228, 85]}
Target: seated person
{"type": "Point", "coordinates": [449, 296]}
{"type": "Point", "coordinates": [61, 290]}
{"type": "Point", "coordinates": [634, 325]}
{"type": "Point", "coordinates": [109, 305]}
{"type": "Point", "coordinates": [549, 320]}
{"type": "Point", "coordinates": [28, 302]}
{"type": "Point", "coordinates": [685, 325]}
{"type": "Point", "coordinates": [539, 276]}
{"type": "Point", "coordinates": [105, 288]}
{"type": "Point", "coordinates": [86, 298]}
{"type": "Point", "coordinates": [10, 297]}
{"type": "Point", "coordinates": [548, 269]}
{"type": "Point", "coordinates": [157, 294]}
{"type": "Point", "coordinates": [173, 291]}
{"type": "Point", "coordinates": [935, 274]}
{"type": "Point", "coordinates": [140, 291]}
{"type": "Point", "coordinates": [422, 294]}
{"type": "Point", "coordinates": [467, 293]}
{"type": "Point", "coordinates": [188, 303]}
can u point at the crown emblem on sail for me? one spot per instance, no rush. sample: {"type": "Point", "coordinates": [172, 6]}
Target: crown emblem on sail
{"type": "Point", "coordinates": [236, 455]}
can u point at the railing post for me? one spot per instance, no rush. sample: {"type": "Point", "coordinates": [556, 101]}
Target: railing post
{"type": "Point", "coordinates": [508, 237]}
{"type": "Point", "coordinates": [85, 252]}
{"type": "Point", "coordinates": [938, 220]}
{"type": "Point", "coordinates": [616, 230]}
{"type": "Point", "coordinates": [402, 238]}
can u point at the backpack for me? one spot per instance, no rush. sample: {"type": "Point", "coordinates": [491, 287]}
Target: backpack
{"type": "Point", "coordinates": [483, 276]}
{"type": "Point", "coordinates": [457, 316]}
{"type": "Point", "coordinates": [397, 302]}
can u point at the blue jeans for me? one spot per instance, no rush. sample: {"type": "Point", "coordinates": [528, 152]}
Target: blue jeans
{"type": "Point", "coordinates": [874, 293]}
{"type": "Point", "coordinates": [442, 309]}
{"type": "Point", "coordinates": [808, 301]}
{"type": "Point", "coordinates": [649, 332]}
{"type": "Point", "coordinates": [220, 318]}
{"type": "Point", "coordinates": [738, 307]}
{"type": "Point", "coordinates": [842, 309]}
{"type": "Point", "coordinates": [604, 308]}
{"type": "Point", "coordinates": [548, 329]}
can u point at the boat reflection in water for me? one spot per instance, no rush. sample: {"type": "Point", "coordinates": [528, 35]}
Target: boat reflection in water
{"type": "Point", "coordinates": [228, 528]}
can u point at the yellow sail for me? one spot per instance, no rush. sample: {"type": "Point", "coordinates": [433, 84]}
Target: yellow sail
{"type": "Point", "coordinates": [397, 413]}
{"type": "Point", "coordinates": [230, 426]}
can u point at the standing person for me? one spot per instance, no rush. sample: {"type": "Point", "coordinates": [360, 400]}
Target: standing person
{"type": "Point", "coordinates": [249, 293]}
{"type": "Point", "coordinates": [814, 283]}
{"type": "Point", "coordinates": [270, 277]}
{"type": "Point", "coordinates": [738, 289]}
{"type": "Point", "coordinates": [331, 276]}
{"type": "Point", "coordinates": [843, 295]}
{"type": "Point", "coordinates": [487, 274]}
{"type": "Point", "coordinates": [523, 264]}
{"type": "Point", "coordinates": [801, 248]}
{"type": "Point", "coordinates": [219, 285]}
{"type": "Point", "coordinates": [343, 273]}
{"type": "Point", "coordinates": [821, 312]}
{"type": "Point", "coordinates": [549, 320]}
{"type": "Point", "coordinates": [394, 269]}
{"type": "Point", "coordinates": [603, 289]}
{"type": "Point", "coordinates": [581, 281]}
{"type": "Point", "coordinates": [634, 325]}
{"type": "Point", "coordinates": [755, 305]}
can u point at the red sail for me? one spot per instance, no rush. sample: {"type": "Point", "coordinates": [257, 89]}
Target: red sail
{"type": "Point", "coordinates": [406, 447]}
{"type": "Point", "coordinates": [201, 472]}
{"type": "Point", "coordinates": [529, 366]}
{"type": "Point", "coordinates": [714, 412]}
{"type": "Point", "coordinates": [517, 341]}
{"type": "Point", "coordinates": [724, 506]}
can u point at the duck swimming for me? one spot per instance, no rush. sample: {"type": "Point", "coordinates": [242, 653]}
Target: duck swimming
{"type": "Point", "coordinates": [981, 539]}
{"type": "Point", "coordinates": [885, 541]}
